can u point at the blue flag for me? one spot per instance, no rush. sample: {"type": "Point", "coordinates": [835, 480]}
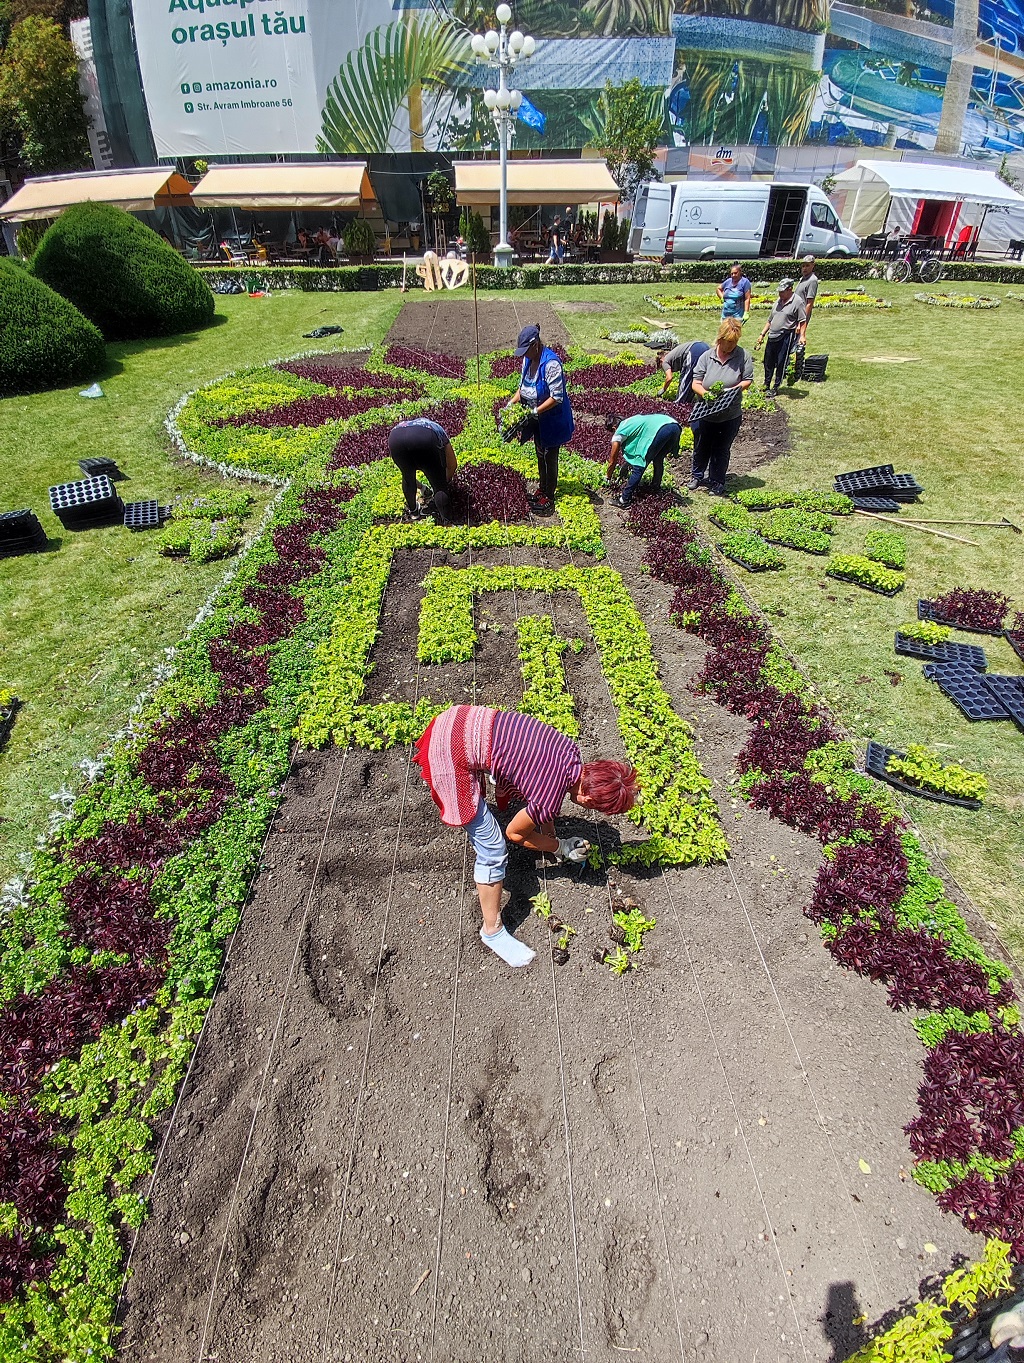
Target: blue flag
{"type": "Point", "coordinates": [532, 116]}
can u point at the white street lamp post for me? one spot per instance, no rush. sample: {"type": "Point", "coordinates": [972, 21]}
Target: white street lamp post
{"type": "Point", "coordinates": [502, 51]}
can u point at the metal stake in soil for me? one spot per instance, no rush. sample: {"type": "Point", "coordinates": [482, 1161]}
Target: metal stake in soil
{"type": "Point", "coordinates": [476, 322]}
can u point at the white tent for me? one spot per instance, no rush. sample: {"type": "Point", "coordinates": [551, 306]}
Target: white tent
{"type": "Point", "coordinates": [876, 194]}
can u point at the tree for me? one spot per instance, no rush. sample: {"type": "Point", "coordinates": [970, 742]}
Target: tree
{"type": "Point", "coordinates": [633, 120]}
{"type": "Point", "coordinates": [40, 99]}
{"type": "Point", "coordinates": [61, 11]}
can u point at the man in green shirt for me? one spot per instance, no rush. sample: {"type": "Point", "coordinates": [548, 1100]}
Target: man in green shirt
{"type": "Point", "coordinates": [637, 442]}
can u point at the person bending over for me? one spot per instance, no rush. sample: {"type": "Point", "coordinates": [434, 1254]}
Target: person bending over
{"type": "Point", "coordinates": [681, 360]}
{"type": "Point", "coordinates": [422, 446]}
{"type": "Point", "coordinates": [528, 760]}
{"type": "Point", "coordinates": [730, 365]}
{"type": "Point", "coordinates": [637, 442]}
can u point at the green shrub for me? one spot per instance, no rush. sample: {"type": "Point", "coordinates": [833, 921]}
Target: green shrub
{"type": "Point", "coordinates": [124, 277]}
{"type": "Point", "coordinates": [44, 340]}
{"type": "Point", "coordinates": [359, 238]}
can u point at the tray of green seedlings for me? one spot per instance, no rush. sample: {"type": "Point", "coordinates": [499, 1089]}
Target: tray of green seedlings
{"type": "Point", "coordinates": [919, 771]}
{"type": "Point", "coordinates": [864, 572]}
{"type": "Point", "coordinates": [810, 531]}
{"type": "Point", "coordinates": [886, 546]}
{"type": "Point", "coordinates": [730, 516]}
{"type": "Point", "coordinates": [750, 551]}
{"type": "Point", "coordinates": [775, 499]}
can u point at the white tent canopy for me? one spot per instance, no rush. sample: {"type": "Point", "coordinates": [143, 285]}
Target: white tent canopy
{"type": "Point", "coordinates": [46, 196]}
{"type": "Point", "coordinates": [535, 181]}
{"type": "Point", "coordinates": [313, 184]}
{"type": "Point", "coordinates": [869, 187]}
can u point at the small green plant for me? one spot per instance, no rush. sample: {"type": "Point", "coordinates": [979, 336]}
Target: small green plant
{"type": "Point", "coordinates": [6, 698]}
{"type": "Point", "coordinates": [200, 540]}
{"type": "Point", "coordinates": [924, 631]}
{"type": "Point", "coordinates": [886, 546]}
{"type": "Point", "coordinates": [540, 904]}
{"type": "Point", "coordinates": [714, 392]}
{"type": "Point", "coordinates": [750, 550]}
{"type": "Point", "coordinates": [565, 937]}
{"type": "Point", "coordinates": [577, 645]}
{"type": "Point", "coordinates": [634, 925]}
{"type": "Point", "coordinates": [618, 961]}
{"type": "Point", "coordinates": [924, 768]}
{"type": "Point", "coordinates": [864, 572]}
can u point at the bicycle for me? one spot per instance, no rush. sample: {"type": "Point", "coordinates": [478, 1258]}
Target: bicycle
{"type": "Point", "coordinates": [930, 268]}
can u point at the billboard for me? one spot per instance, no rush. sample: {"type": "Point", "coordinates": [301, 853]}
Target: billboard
{"type": "Point", "coordinates": [256, 77]}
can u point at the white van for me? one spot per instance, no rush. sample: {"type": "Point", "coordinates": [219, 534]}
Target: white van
{"type": "Point", "coordinates": [745, 219]}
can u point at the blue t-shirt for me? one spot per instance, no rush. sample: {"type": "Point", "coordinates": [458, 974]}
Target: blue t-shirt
{"type": "Point", "coordinates": [734, 295]}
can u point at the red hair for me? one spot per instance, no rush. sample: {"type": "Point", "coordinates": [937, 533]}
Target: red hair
{"type": "Point", "coordinates": [611, 786]}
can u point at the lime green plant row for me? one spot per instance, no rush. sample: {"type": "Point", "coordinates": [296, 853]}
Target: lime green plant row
{"type": "Point", "coordinates": [864, 572]}
{"type": "Point", "coordinates": [887, 547]}
{"type": "Point", "coordinates": [924, 631]}
{"type": "Point", "coordinates": [675, 801]}
{"type": "Point", "coordinates": [921, 1336]}
{"type": "Point", "coordinates": [774, 499]}
{"type": "Point", "coordinates": [762, 302]}
{"type": "Point", "coordinates": [545, 694]}
{"type": "Point", "coordinates": [924, 768]}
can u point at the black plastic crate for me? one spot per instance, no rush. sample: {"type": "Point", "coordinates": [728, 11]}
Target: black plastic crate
{"type": "Point", "coordinates": [864, 503]}
{"type": "Point", "coordinates": [91, 501]}
{"type": "Point", "coordinates": [97, 465]}
{"type": "Point", "coordinates": [970, 654]}
{"type": "Point", "coordinates": [968, 690]}
{"type": "Point", "coordinates": [1009, 693]}
{"type": "Point", "coordinates": [142, 515]}
{"type": "Point", "coordinates": [926, 612]}
{"type": "Point", "coordinates": [874, 765]}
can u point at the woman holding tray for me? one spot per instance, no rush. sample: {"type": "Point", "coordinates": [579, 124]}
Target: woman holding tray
{"type": "Point", "coordinates": [542, 391]}
{"type": "Point", "coordinates": [527, 760]}
{"type": "Point", "coordinates": [719, 417]}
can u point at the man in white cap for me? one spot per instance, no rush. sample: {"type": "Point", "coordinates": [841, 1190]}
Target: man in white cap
{"type": "Point", "coordinates": [806, 289]}
{"type": "Point", "coordinates": [785, 323]}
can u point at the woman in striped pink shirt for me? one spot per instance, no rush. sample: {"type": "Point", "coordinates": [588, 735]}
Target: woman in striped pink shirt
{"type": "Point", "coordinates": [528, 760]}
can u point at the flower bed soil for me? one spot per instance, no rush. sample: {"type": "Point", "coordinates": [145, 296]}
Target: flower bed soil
{"type": "Point", "coordinates": [320, 1165]}
{"type": "Point", "coordinates": [447, 325]}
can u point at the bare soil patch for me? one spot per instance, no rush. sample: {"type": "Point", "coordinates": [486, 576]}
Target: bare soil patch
{"type": "Point", "coordinates": [447, 325]}
{"type": "Point", "coordinates": [391, 1147]}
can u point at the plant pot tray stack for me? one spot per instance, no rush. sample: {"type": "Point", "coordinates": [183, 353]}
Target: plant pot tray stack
{"type": "Point", "coordinates": [20, 533]}
{"type": "Point", "coordinates": [87, 503]}
{"type": "Point", "coordinates": [880, 481]}
{"type": "Point", "coordinates": [875, 765]}
{"type": "Point", "coordinates": [97, 464]}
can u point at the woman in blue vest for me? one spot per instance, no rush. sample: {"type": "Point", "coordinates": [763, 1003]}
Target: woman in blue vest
{"type": "Point", "coordinates": [542, 391]}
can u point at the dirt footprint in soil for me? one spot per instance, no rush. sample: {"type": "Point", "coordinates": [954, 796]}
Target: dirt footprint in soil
{"type": "Point", "coordinates": [510, 1140]}
{"type": "Point", "coordinates": [629, 1279]}
{"type": "Point", "coordinates": [337, 980]}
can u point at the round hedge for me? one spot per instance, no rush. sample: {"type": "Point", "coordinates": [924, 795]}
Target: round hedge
{"type": "Point", "coordinates": [125, 278]}
{"type": "Point", "coordinates": [44, 340]}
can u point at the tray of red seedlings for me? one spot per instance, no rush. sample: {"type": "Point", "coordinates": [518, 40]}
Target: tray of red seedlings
{"type": "Point", "coordinates": [875, 765]}
{"type": "Point", "coordinates": [1015, 634]}
{"type": "Point", "coordinates": [976, 610]}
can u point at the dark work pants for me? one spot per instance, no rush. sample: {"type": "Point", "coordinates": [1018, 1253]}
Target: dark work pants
{"type": "Point", "coordinates": [776, 358]}
{"type": "Point", "coordinates": [414, 450]}
{"type": "Point", "coordinates": [665, 444]}
{"type": "Point", "coordinates": [712, 445]}
{"type": "Point", "coordinates": [547, 469]}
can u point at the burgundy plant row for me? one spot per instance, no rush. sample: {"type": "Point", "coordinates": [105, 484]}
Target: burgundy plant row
{"type": "Point", "coordinates": [972, 1097]}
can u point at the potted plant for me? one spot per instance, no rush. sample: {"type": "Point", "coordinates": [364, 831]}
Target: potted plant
{"type": "Point", "coordinates": [612, 252]}
{"type": "Point", "coordinates": [360, 242]}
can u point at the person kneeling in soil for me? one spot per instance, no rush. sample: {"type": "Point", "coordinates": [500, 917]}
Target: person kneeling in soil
{"type": "Point", "coordinates": [526, 759]}
{"type": "Point", "coordinates": [422, 446]}
{"type": "Point", "coordinates": [637, 442]}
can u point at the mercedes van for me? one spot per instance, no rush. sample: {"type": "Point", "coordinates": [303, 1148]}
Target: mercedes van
{"type": "Point", "coordinates": [736, 219]}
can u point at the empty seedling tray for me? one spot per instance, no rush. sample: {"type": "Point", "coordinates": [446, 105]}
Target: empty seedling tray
{"type": "Point", "coordinates": [20, 533]}
{"type": "Point", "coordinates": [926, 611]}
{"type": "Point", "coordinates": [1009, 693]}
{"type": "Point", "coordinates": [876, 504]}
{"type": "Point", "coordinates": [99, 464]}
{"type": "Point", "coordinates": [874, 764]}
{"type": "Point", "coordinates": [971, 654]}
{"type": "Point", "coordinates": [968, 690]}
{"type": "Point", "coordinates": [142, 515]}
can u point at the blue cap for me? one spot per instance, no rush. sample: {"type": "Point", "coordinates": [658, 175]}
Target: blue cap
{"type": "Point", "coordinates": [526, 339]}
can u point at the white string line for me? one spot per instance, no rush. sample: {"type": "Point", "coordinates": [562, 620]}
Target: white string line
{"type": "Point", "coordinates": [270, 1056]}
{"type": "Point", "coordinates": [647, 1124]}
{"type": "Point", "coordinates": [735, 1108]}
{"type": "Point", "coordinates": [807, 1080]}
{"type": "Point", "coordinates": [357, 1114]}
{"type": "Point", "coordinates": [183, 1086]}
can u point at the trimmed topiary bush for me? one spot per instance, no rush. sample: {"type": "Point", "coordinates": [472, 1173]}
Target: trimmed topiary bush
{"type": "Point", "coordinates": [44, 340]}
{"type": "Point", "coordinates": [125, 278]}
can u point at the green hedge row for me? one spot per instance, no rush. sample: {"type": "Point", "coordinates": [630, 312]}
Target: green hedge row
{"type": "Point", "coordinates": [355, 278]}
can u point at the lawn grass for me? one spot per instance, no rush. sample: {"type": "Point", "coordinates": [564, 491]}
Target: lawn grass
{"type": "Point", "coordinates": [950, 418]}
{"type": "Point", "coordinates": [82, 626]}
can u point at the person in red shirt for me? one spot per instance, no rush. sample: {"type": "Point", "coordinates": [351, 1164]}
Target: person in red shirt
{"type": "Point", "coordinates": [526, 759]}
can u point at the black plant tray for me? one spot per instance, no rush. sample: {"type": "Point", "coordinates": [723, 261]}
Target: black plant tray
{"type": "Point", "coordinates": [1015, 638]}
{"type": "Point", "coordinates": [926, 612]}
{"type": "Point", "coordinates": [20, 533]}
{"type": "Point", "coordinates": [967, 689]}
{"type": "Point", "coordinates": [876, 504]}
{"type": "Point", "coordinates": [97, 465]}
{"type": "Point", "coordinates": [970, 654]}
{"type": "Point", "coordinates": [1009, 693]}
{"type": "Point", "coordinates": [874, 765]}
{"type": "Point", "coordinates": [752, 567]}
{"type": "Point", "coordinates": [852, 581]}
{"type": "Point", "coordinates": [142, 515]}
{"type": "Point", "coordinates": [7, 720]}
{"type": "Point", "coordinates": [802, 549]}
{"type": "Point", "coordinates": [881, 475]}
{"type": "Point", "coordinates": [89, 502]}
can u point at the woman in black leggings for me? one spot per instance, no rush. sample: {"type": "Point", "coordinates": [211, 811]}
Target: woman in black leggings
{"type": "Point", "coordinates": [422, 446]}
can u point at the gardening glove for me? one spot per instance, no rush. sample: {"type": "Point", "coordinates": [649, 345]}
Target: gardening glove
{"type": "Point", "coordinates": [573, 849]}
